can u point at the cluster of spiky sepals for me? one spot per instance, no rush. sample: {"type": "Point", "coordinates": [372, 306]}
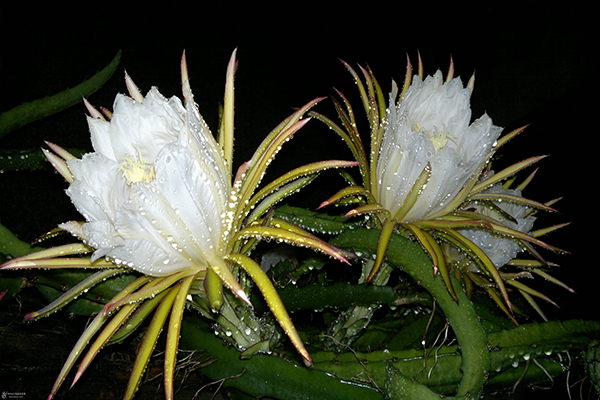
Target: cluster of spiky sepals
{"type": "Point", "coordinates": [247, 221]}
{"type": "Point", "coordinates": [444, 225]}
{"type": "Point", "coordinates": [239, 327]}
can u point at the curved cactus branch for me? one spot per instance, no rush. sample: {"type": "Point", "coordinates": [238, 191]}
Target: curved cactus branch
{"type": "Point", "coordinates": [411, 258]}
{"type": "Point", "coordinates": [37, 109]}
{"type": "Point", "coordinates": [264, 375]}
{"type": "Point", "coordinates": [526, 354]}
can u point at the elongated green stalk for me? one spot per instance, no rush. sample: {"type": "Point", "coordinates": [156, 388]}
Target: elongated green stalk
{"type": "Point", "coordinates": [350, 324]}
{"type": "Point", "coordinates": [268, 376]}
{"type": "Point", "coordinates": [512, 348]}
{"type": "Point", "coordinates": [34, 110]}
{"type": "Point", "coordinates": [469, 332]}
{"type": "Point", "coordinates": [528, 354]}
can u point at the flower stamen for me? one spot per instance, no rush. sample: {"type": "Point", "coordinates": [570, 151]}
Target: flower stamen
{"type": "Point", "coordinates": [136, 171]}
{"type": "Point", "coordinates": [439, 138]}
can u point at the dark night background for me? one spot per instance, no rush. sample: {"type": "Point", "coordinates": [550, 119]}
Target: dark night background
{"type": "Point", "coordinates": [533, 65]}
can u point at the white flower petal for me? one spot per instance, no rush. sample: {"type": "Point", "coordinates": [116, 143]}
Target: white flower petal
{"type": "Point", "coordinates": [145, 257]}
{"type": "Point", "coordinates": [142, 228]}
{"type": "Point", "coordinates": [204, 147]}
{"type": "Point", "coordinates": [137, 128]}
{"type": "Point", "coordinates": [149, 216]}
{"type": "Point", "coordinates": [196, 198]}
{"type": "Point", "coordinates": [101, 235]}
{"type": "Point", "coordinates": [98, 189]}
{"type": "Point", "coordinates": [100, 131]}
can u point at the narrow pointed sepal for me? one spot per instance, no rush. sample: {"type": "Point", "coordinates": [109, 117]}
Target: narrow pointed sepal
{"type": "Point", "coordinates": [156, 286]}
{"type": "Point", "coordinates": [73, 293]}
{"type": "Point", "coordinates": [84, 339]}
{"type": "Point", "coordinates": [88, 334]}
{"type": "Point", "coordinates": [273, 300]}
{"type": "Point", "coordinates": [436, 254]}
{"type": "Point", "coordinates": [482, 259]}
{"type": "Point", "coordinates": [149, 342]}
{"type": "Point", "coordinates": [184, 69]}
{"type": "Point", "coordinates": [290, 237]}
{"type": "Point", "coordinates": [219, 267]}
{"type": "Point", "coordinates": [450, 74]}
{"type": "Point", "coordinates": [92, 110]}
{"type": "Point", "coordinates": [407, 78]}
{"type": "Point", "coordinates": [504, 174]}
{"type": "Point", "coordinates": [59, 165]}
{"type": "Point", "coordinates": [134, 92]}
{"type": "Point", "coordinates": [511, 135]}
{"type": "Point", "coordinates": [103, 338]}
{"type": "Point", "coordinates": [46, 254]}
{"type": "Point", "coordinates": [552, 279]}
{"type": "Point", "coordinates": [173, 334]}
{"type": "Point", "coordinates": [375, 208]}
{"type": "Point", "coordinates": [308, 169]}
{"type": "Point", "coordinates": [509, 198]}
{"type": "Point", "coordinates": [387, 230]}
{"type": "Point", "coordinates": [226, 131]}
{"type": "Point", "coordinates": [415, 192]}
{"type": "Point", "coordinates": [346, 192]}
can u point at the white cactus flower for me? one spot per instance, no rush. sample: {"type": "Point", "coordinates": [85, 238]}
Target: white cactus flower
{"type": "Point", "coordinates": [155, 190]}
{"type": "Point", "coordinates": [431, 126]}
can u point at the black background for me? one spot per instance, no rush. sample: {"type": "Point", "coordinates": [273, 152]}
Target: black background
{"type": "Point", "coordinates": [534, 64]}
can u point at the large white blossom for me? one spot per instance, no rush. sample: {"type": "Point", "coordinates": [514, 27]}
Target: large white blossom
{"type": "Point", "coordinates": [154, 193]}
{"type": "Point", "coordinates": [431, 125]}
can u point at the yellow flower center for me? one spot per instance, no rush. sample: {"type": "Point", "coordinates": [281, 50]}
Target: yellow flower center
{"type": "Point", "coordinates": [136, 171]}
{"type": "Point", "coordinates": [439, 138]}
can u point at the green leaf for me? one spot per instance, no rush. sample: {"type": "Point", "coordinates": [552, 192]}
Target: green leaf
{"type": "Point", "coordinates": [11, 245]}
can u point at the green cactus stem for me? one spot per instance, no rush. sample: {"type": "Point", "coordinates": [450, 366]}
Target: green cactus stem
{"type": "Point", "coordinates": [37, 109]}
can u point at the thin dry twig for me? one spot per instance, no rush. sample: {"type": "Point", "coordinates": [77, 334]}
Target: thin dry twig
{"type": "Point", "coordinates": [219, 382]}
